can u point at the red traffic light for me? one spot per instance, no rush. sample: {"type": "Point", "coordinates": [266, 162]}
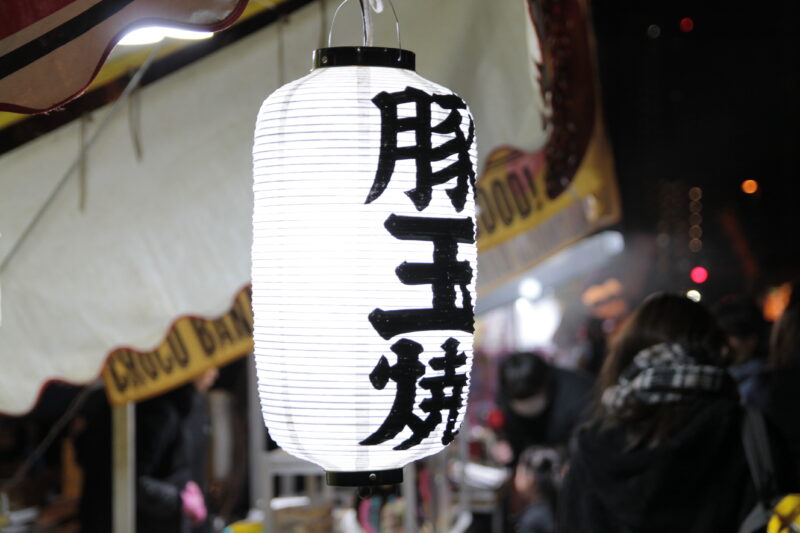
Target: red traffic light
{"type": "Point", "coordinates": [699, 274]}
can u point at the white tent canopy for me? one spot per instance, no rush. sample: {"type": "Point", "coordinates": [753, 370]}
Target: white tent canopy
{"type": "Point", "coordinates": [170, 235]}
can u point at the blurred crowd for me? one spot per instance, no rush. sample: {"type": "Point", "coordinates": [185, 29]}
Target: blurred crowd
{"type": "Point", "coordinates": [681, 419]}
{"type": "Point", "coordinates": [686, 422]}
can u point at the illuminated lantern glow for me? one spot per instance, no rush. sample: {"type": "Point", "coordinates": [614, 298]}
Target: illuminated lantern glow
{"type": "Point", "coordinates": [364, 263]}
{"type": "Point", "coordinates": [686, 24]}
{"type": "Point", "coordinates": [699, 274]}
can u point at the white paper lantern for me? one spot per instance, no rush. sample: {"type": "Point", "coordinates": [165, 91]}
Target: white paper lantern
{"type": "Point", "coordinates": [364, 263]}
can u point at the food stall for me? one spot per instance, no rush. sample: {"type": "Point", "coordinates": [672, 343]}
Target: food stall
{"type": "Point", "coordinates": [126, 233]}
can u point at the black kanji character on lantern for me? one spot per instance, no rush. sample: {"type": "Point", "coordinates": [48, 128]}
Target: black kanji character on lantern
{"type": "Point", "coordinates": [437, 384]}
{"type": "Point", "coordinates": [444, 273]}
{"type": "Point", "coordinates": [405, 373]}
{"type": "Point", "coordinates": [423, 151]}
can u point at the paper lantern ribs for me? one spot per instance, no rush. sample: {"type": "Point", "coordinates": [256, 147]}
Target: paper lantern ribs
{"type": "Point", "coordinates": [364, 263]}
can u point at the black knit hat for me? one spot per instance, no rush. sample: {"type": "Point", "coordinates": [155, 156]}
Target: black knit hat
{"type": "Point", "coordinates": [524, 374]}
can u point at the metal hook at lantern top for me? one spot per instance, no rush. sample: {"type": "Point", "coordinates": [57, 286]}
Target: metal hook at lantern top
{"type": "Point", "coordinates": [367, 7]}
{"type": "Point", "coordinates": [366, 55]}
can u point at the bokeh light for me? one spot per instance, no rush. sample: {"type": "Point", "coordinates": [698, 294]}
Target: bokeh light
{"type": "Point", "coordinates": [749, 186]}
{"type": "Point", "coordinates": [699, 274]}
{"type": "Point", "coordinates": [653, 31]}
{"type": "Point", "coordinates": [694, 295]}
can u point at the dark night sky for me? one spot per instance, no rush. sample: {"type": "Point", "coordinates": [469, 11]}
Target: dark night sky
{"type": "Point", "coordinates": [708, 108]}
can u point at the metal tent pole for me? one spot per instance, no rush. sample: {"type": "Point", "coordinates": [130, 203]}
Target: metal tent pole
{"type": "Point", "coordinates": [123, 422]}
{"type": "Point", "coordinates": [464, 493]}
{"type": "Point", "coordinates": [409, 491]}
{"type": "Point", "coordinates": [261, 492]}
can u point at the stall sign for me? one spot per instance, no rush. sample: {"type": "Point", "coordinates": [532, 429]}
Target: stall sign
{"type": "Point", "coordinates": [193, 345]}
{"type": "Point", "coordinates": [531, 204]}
{"type": "Point", "coordinates": [519, 224]}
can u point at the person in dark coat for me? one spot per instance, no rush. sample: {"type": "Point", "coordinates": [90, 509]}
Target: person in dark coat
{"type": "Point", "coordinates": [171, 451]}
{"type": "Point", "coordinates": [162, 463]}
{"type": "Point", "coordinates": [537, 480]}
{"type": "Point", "coordinates": [663, 452]}
{"type": "Point", "coordinates": [93, 446]}
{"type": "Point", "coordinates": [198, 435]}
{"type": "Point", "coordinates": [747, 331]}
{"type": "Point", "coordinates": [542, 404]}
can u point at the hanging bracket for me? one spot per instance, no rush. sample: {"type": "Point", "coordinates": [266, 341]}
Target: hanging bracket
{"type": "Point", "coordinates": [367, 26]}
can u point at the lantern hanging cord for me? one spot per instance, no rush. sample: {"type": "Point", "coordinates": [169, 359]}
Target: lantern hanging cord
{"type": "Point", "coordinates": [367, 7]}
{"type": "Point", "coordinates": [366, 21]}
{"type": "Point", "coordinates": [132, 84]}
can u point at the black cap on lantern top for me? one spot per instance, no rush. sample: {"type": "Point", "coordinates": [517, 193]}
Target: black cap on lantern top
{"type": "Point", "coordinates": [364, 56]}
{"type": "Point", "coordinates": [364, 479]}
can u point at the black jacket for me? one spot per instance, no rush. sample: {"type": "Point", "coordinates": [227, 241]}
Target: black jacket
{"type": "Point", "coordinates": [162, 463]}
{"type": "Point", "coordinates": [569, 394]}
{"type": "Point", "coordinates": [697, 481]}
{"type": "Point", "coordinates": [536, 518]}
{"type": "Point", "coordinates": [776, 396]}
{"type": "Point", "coordinates": [93, 446]}
{"type": "Point", "coordinates": [197, 432]}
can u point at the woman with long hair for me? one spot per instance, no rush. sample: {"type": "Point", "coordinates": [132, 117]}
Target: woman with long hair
{"type": "Point", "coordinates": [663, 451]}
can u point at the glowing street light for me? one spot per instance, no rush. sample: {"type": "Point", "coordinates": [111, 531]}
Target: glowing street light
{"type": "Point", "coordinates": [749, 186]}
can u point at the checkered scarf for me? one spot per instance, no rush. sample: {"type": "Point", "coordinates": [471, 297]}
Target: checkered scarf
{"type": "Point", "coordinates": [661, 374]}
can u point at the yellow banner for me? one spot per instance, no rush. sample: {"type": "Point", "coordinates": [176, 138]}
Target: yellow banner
{"type": "Point", "coordinates": [531, 205]}
{"type": "Point", "coordinates": [192, 346]}
{"type": "Point", "coordinates": [519, 224]}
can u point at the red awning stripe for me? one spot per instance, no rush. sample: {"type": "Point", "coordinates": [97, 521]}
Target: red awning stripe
{"type": "Point", "coordinates": [59, 36]}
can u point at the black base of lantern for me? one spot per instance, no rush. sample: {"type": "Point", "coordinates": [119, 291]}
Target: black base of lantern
{"type": "Point", "coordinates": [363, 56]}
{"type": "Point", "coordinates": [364, 479]}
